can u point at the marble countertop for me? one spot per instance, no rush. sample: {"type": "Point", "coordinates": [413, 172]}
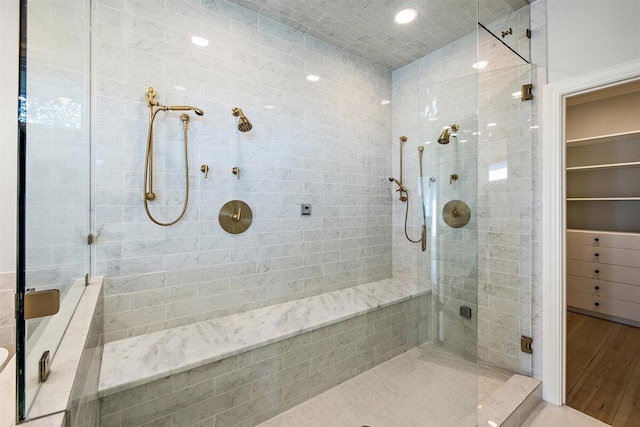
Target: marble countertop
{"type": "Point", "coordinates": [139, 360]}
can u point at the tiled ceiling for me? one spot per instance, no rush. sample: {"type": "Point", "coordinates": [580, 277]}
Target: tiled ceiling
{"type": "Point", "coordinates": [366, 28]}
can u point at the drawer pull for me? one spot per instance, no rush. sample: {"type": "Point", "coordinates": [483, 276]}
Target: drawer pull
{"type": "Point", "coordinates": [597, 239]}
{"type": "Point", "coordinates": [597, 288]}
{"type": "Point", "coordinates": [597, 271]}
{"type": "Point", "coordinates": [597, 304]}
{"type": "Point", "coordinates": [597, 254]}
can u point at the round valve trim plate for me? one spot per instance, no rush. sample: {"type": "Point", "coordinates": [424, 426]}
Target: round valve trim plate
{"type": "Point", "coordinates": [456, 213]}
{"type": "Point", "coordinates": [235, 217]}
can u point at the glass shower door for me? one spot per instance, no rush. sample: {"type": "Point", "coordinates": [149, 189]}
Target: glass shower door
{"type": "Point", "coordinates": [55, 158]}
{"type": "Point", "coordinates": [448, 269]}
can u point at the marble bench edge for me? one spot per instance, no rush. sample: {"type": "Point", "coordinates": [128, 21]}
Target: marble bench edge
{"type": "Point", "coordinates": [107, 389]}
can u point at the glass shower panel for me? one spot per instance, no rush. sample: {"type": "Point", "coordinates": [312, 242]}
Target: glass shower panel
{"type": "Point", "coordinates": [505, 214]}
{"type": "Point", "coordinates": [509, 23]}
{"type": "Point", "coordinates": [55, 122]}
{"type": "Point", "coordinates": [448, 325]}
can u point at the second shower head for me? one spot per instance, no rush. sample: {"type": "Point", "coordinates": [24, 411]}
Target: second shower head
{"type": "Point", "coordinates": [445, 136]}
{"type": "Point", "coordinates": [244, 125]}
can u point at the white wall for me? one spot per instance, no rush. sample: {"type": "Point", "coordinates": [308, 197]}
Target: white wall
{"type": "Point", "coordinates": [586, 35]}
{"type": "Point", "coordinates": [9, 20]}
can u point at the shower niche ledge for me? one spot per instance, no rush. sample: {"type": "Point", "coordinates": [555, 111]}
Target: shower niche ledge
{"type": "Point", "coordinates": [271, 358]}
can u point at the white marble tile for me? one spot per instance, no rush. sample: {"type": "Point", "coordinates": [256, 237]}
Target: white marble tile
{"type": "Point", "coordinates": [201, 343]}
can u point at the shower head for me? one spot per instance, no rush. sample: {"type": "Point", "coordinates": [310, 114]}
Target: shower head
{"type": "Point", "coordinates": [185, 108]}
{"type": "Point", "coordinates": [445, 136]}
{"type": "Point", "coordinates": [244, 125]}
{"type": "Point", "coordinates": [392, 179]}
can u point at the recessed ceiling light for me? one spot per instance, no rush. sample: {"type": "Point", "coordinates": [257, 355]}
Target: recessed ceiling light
{"type": "Point", "coordinates": [406, 15]}
{"type": "Point", "coordinates": [479, 65]}
{"type": "Point", "coordinates": [490, 125]}
{"type": "Point", "coordinates": [199, 41]}
{"type": "Point", "coordinates": [63, 99]}
{"type": "Point", "coordinates": [180, 88]}
{"type": "Point", "coordinates": [313, 78]}
{"type": "Point", "coordinates": [385, 102]}
{"type": "Point", "coordinates": [269, 107]}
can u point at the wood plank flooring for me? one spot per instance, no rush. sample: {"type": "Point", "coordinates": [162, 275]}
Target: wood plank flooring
{"type": "Point", "coordinates": [603, 369]}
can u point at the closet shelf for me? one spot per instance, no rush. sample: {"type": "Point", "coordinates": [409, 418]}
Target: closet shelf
{"type": "Point", "coordinates": [607, 166]}
{"type": "Point", "coordinates": [604, 138]}
{"type": "Point", "coordinates": [601, 199]}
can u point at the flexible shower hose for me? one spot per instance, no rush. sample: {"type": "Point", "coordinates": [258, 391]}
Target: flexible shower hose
{"type": "Point", "coordinates": [148, 174]}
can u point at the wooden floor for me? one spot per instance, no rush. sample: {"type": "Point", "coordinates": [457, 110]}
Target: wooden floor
{"type": "Point", "coordinates": [603, 369]}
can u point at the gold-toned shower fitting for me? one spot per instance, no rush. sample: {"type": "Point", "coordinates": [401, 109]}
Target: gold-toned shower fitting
{"type": "Point", "coordinates": [154, 108]}
{"type": "Point", "coordinates": [244, 125]}
{"type": "Point", "coordinates": [445, 136]}
{"type": "Point", "coordinates": [404, 195]}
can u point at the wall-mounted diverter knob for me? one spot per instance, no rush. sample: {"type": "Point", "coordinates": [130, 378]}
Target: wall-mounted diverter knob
{"type": "Point", "coordinates": [235, 217]}
{"type": "Point", "coordinates": [456, 213]}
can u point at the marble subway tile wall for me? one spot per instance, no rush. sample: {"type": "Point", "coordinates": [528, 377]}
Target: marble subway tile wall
{"type": "Point", "coordinates": [325, 143]}
{"type": "Point", "coordinates": [57, 111]}
{"type": "Point", "coordinates": [7, 312]}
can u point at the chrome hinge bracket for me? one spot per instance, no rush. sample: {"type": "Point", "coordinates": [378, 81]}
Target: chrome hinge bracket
{"type": "Point", "coordinates": [526, 344]}
{"type": "Point", "coordinates": [526, 92]}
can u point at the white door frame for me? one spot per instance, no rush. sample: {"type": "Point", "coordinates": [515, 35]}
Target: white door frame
{"type": "Point", "coordinates": [554, 218]}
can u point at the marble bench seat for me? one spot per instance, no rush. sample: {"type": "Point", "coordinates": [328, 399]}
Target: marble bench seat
{"type": "Point", "coordinates": [140, 360]}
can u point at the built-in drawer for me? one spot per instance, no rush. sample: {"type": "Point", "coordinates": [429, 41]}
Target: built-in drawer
{"type": "Point", "coordinates": [603, 305]}
{"type": "Point", "coordinates": [604, 239]}
{"type": "Point", "coordinates": [604, 255]}
{"type": "Point", "coordinates": [610, 273]}
{"type": "Point", "coordinates": [613, 290]}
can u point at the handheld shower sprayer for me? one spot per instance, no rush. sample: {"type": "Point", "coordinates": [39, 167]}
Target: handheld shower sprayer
{"type": "Point", "coordinates": [401, 187]}
{"type": "Point", "coordinates": [151, 102]}
{"type": "Point", "coordinates": [149, 195]}
{"type": "Point", "coordinates": [244, 125]}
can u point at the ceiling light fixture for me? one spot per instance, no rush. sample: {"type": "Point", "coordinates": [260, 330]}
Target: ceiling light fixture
{"type": "Point", "coordinates": [313, 78]}
{"type": "Point", "coordinates": [406, 15]}
{"type": "Point", "coordinates": [479, 65]}
{"type": "Point", "coordinates": [199, 41]}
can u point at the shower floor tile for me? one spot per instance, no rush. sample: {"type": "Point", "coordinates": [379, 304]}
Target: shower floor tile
{"type": "Point", "coordinates": [416, 389]}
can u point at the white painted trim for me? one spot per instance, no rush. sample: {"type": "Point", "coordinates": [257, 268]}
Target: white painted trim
{"type": "Point", "coordinates": [554, 218]}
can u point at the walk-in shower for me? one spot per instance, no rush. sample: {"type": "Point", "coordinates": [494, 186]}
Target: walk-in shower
{"type": "Point", "coordinates": [348, 263]}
